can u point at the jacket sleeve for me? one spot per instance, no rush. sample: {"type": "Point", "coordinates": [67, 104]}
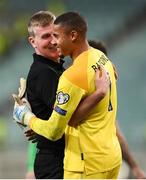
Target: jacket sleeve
{"type": "Point", "coordinates": [68, 97]}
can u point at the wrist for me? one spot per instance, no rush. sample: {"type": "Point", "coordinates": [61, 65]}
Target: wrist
{"type": "Point", "coordinates": [28, 115]}
{"type": "Point", "coordinates": [100, 93]}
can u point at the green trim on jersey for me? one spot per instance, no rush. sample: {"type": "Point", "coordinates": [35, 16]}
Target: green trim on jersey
{"type": "Point", "coordinates": [31, 156]}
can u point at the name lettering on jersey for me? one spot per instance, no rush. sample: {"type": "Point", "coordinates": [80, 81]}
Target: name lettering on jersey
{"type": "Point", "coordinates": [102, 61]}
{"type": "Point", "coordinates": [62, 98]}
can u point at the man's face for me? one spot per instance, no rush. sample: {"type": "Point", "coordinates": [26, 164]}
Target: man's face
{"type": "Point", "coordinates": [62, 40]}
{"type": "Point", "coordinates": [42, 42]}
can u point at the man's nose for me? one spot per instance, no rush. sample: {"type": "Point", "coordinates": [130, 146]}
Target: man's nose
{"type": "Point", "coordinates": [53, 41]}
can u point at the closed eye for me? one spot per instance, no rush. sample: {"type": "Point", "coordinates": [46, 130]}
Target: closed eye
{"type": "Point", "coordinates": [45, 36]}
{"type": "Point", "coordinates": [56, 35]}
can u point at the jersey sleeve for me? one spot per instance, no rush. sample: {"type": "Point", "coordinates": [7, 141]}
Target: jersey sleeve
{"type": "Point", "coordinates": [68, 97]}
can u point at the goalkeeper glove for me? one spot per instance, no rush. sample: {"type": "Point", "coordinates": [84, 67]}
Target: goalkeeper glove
{"type": "Point", "coordinates": [22, 112]}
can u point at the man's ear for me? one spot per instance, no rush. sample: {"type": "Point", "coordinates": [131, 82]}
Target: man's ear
{"type": "Point", "coordinates": [74, 35]}
{"type": "Point", "coordinates": [32, 41]}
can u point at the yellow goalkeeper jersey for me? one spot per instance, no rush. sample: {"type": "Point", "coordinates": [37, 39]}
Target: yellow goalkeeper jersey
{"type": "Point", "coordinates": [92, 146]}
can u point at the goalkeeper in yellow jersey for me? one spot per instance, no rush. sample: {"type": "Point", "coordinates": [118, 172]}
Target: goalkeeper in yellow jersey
{"type": "Point", "coordinates": [92, 148]}
{"type": "Point", "coordinates": [126, 153]}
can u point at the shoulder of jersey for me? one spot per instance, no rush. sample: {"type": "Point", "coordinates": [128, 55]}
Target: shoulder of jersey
{"type": "Point", "coordinates": [77, 73]}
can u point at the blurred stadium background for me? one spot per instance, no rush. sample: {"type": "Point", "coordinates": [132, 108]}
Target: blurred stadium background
{"type": "Point", "coordinates": [120, 24]}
